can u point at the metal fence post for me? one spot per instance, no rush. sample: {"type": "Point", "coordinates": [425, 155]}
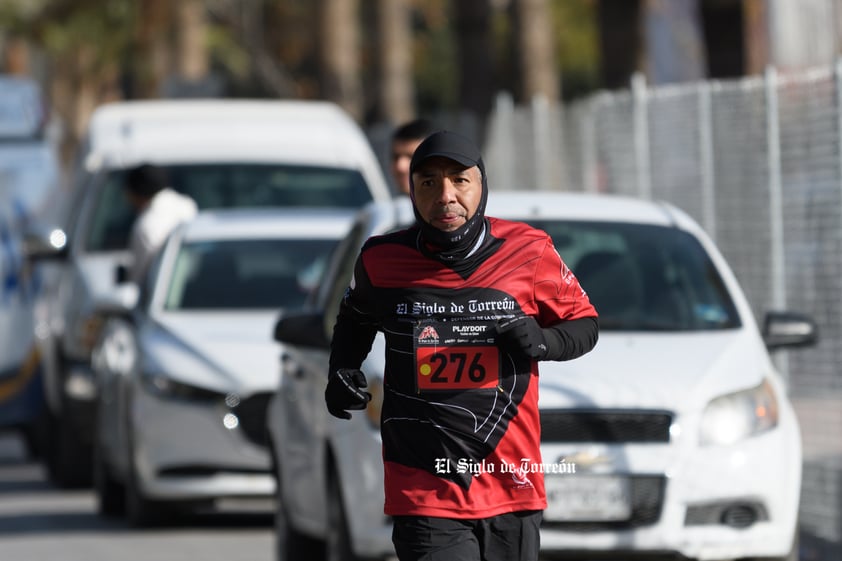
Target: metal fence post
{"type": "Point", "coordinates": [706, 160]}
{"type": "Point", "coordinates": [776, 228]}
{"type": "Point", "coordinates": [587, 131]}
{"type": "Point", "coordinates": [540, 109]}
{"type": "Point", "coordinates": [775, 196]}
{"type": "Point", "coordinates": [641, 135]}
{"type": "Point", "coordinates": [501, 138]}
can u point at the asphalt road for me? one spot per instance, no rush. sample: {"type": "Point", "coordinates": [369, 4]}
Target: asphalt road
{"type": "Point", "coordinates": [39, 522]}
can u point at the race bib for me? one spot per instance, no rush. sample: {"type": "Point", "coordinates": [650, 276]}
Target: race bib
{"type": "Point", "coordinates": [456, 356]}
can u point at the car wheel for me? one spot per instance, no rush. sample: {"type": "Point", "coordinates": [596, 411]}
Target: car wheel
{"type": "Point", "coordinates": [141, 511]}
{"type": "Point", "coordinates": [35, 435]}
{"type": "Point", "coordinates": [110, 494]}
{"type": "Point", "coordinates": [68, 458]}
{"type": "Point", "coordinates": [338, 535]}
{"type": "Point", "coordinates": [290, 544]}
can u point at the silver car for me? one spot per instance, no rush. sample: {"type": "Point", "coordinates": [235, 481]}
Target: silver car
{"type": "Point", "coordinates": [185, 364]}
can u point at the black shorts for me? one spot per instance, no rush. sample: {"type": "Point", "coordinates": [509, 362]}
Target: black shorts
{"type": "Point", "coordinates": [507, 537]}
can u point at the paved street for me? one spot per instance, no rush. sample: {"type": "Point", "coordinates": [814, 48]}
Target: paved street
{"type": "Point", "coordinates": [41, 523]}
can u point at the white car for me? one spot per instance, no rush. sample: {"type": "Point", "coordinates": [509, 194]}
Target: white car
{"type": "Point", "coordinates": [223, 154]}
{"type": "Point", "coordinates": [186, 370]}
{"type": "Point", "coordinates": [674, 435]}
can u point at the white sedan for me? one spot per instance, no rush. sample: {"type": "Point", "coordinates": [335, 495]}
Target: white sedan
{"type": "Point", "coordinates": [186, 370]}
{"type": "Point", "coordinates": [674, 435]}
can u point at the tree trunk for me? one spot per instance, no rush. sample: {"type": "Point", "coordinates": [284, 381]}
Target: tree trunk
{"type": "Point", "coordinates": [756, 18]}
{"type": "Point", "coordinates": [74, 91]}
{"type": "Point", "coordinates": [476, 55]}
{"type": "Point", "coordinates": [674, 45]}
{"type": "Point", "coordinates": [154, 47]}
{"type": "Point", "coordinates": [619, 41]}
{"type": "Point", "coordinates": [16, 56]}
{"type": "Point", "coordinates": [340, 54]}
{"type": "Point", "coordinates": [539, 74]}
{"type": "Point", "coordinates": [192, 51]}
{"type": "Point", "coordinates": [394, 48]}
{"type": "Point", "coordinates": [192, 76]}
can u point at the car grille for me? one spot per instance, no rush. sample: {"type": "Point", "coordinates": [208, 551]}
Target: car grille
{"type": "Point", "coordinates": [251, 413]}
{"type": "Point", "coordinates": [647, 498]}
{"type": "Point", "coordinates": [605, 426]}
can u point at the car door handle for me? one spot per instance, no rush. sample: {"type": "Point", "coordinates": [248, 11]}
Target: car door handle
{"type": "Point", "coordinates": [291, 366]}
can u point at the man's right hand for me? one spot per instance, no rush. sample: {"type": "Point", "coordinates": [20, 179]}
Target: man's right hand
{"type": "Point", "coordinates": [344, 391]}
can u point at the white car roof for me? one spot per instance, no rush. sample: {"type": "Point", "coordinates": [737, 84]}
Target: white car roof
{"type": "Point", "coordinates": [167, 131]}
{"type": "Point", "coordinates": [526, 205]}
{"type": "Point", "coordinates": [234, 224]}
{"type": "Point", "coordinates": [522, 205]}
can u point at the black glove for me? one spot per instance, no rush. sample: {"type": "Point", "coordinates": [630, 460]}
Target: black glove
{"type": "Point", "coordinates": [522, 335]}
{"type": "Point", "coordinates": [344, 392]}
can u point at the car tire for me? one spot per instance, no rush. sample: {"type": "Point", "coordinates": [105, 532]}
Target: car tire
{"type": "Point", "coordinates": [110, 493]}
{"type": "Point", "coordinates": [141, 511]}
{"type": "Point", "coordinates": [68, 458]}
{"type": "Point", "coordinates": [338, 539]}
{"type": "Point", "coordinates": [31, 445]}
{"type": "Point", "coordinates": [34, 436]}
{"type": "Point", "coordinates": [290, 544]}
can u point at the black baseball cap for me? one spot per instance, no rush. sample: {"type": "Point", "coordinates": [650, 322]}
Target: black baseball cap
{"type": "Point", "coordinates": [450, 145]}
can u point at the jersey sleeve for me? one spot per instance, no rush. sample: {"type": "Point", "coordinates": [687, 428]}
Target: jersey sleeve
{"type": "Point", "coordinates": [558, 294]}
{"type": "Point", "coordinates": [356, 325]}
{"type": "Point", "coordinates": [565, 312]}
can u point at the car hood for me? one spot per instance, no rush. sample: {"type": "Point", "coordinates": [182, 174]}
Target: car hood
{"type": "Point", "coordinates": [223, 351]}
{"type": "Point", "coordinates": [676, 372]}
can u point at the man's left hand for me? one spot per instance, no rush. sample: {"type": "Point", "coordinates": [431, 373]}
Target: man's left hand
{"type": "Point", "coordinates": [523, 335]}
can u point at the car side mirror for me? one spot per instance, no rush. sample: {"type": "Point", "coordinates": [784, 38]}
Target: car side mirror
{"type": "Point", "coordinates": [789, 330]}
{"type": "Point", "coordinates": [304, 329]}
{"type": "Point", "coordinates": [45, 243]}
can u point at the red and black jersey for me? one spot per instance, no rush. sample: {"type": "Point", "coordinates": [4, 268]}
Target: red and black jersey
{"type": "Point", "coordinates": [460, 421]}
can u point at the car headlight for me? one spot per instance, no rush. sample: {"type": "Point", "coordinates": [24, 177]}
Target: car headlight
{"type": "Point", "coordinates": [735, 416]}
{"type": "Point", "coordinates": [375, 405]}
{"type": "Point", "coordinates": [166, 387]}
{"type": "Point", "coordinates": [116, 351]}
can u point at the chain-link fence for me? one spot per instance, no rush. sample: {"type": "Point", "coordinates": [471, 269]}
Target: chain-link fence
{"type": "Point", "coordinates": [758, 162]}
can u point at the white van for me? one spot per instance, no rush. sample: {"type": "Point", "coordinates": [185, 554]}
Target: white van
{"type": "Point", "coordinates": [29, 177]}
{"type": "Point", "coordinates": [223, 154]}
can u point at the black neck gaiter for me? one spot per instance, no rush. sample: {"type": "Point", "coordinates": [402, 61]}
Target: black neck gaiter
{"type": "Point", "coordinates": [455, 245]}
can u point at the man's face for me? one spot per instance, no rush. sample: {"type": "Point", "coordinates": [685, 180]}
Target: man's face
{"type": "Point", "coordinates": [402, 151]}
{"type": "Point", "coordinates": [447, 193]}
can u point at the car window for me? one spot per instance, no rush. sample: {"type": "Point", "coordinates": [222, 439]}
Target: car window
{"type": "Point", "coordinates": [228, 186]}
{"type": "Point", "coordinates": [642, 277]}
{"type": "Point", "coordinates": [246, 274]}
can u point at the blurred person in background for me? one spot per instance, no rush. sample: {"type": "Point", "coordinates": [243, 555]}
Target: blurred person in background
{"type": "Point", "coordinates": [160, 210]}
{"type": "Point", "coordinates": [405, 139]}
{"type": "Point", "coordinates": [468, 304]}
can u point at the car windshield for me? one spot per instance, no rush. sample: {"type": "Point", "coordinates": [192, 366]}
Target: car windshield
{"type": "Point", "coordinates": [246, 274]}
{"type": "Point", "coordinates": [644, 278]}
{"type": "Point", "coordinates": [229, 186]}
